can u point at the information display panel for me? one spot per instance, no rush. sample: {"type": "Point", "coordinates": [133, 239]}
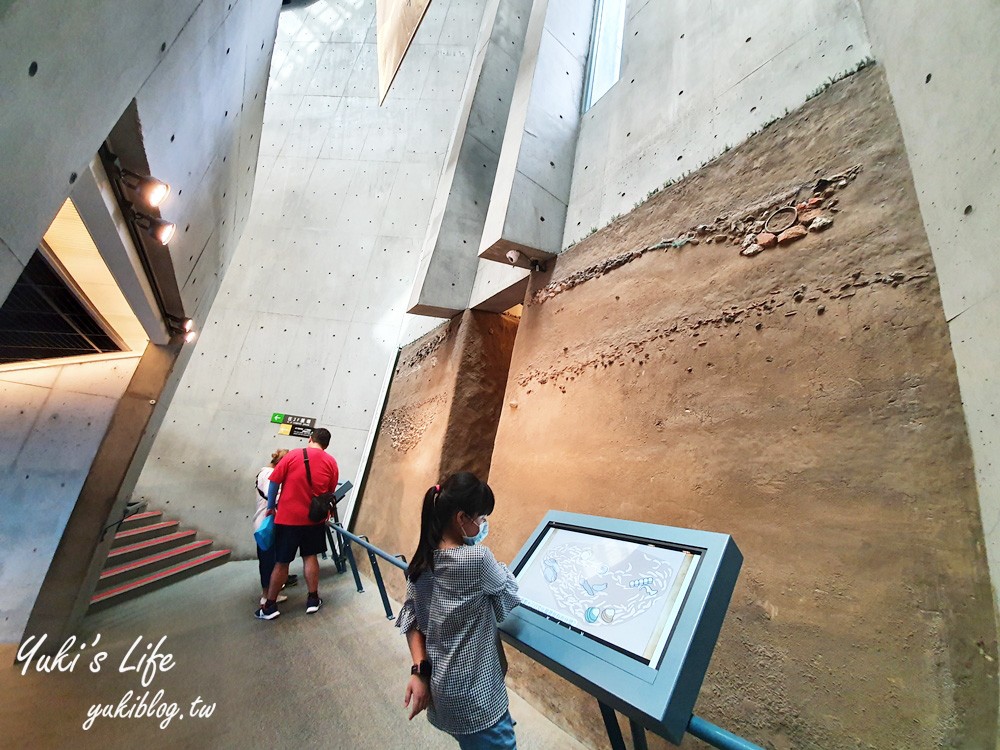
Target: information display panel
{"type": "Point", "coordinates": [628, 611]}
{"type": "Point", "coordinates": [625, 594]}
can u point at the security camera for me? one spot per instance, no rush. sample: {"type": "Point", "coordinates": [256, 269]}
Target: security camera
{"type": "Point", "coordinates": [513, 256]}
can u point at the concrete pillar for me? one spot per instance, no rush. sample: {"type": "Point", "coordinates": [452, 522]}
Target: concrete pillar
{"type": "Point", "coordinates": [449, 259]}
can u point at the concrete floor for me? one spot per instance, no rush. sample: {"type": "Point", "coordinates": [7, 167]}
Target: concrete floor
{"type": "Point", "coordinates": [333, 679]}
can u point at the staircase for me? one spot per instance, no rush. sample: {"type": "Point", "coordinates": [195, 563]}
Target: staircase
{"type": "Point", "coordinates": [148, 553]}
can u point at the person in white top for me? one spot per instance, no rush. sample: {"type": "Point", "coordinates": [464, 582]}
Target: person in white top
{"type": "Point", "coordinates": [265, 557]}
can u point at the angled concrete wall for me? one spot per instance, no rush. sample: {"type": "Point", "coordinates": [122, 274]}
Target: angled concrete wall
{"type": "Point", "coordinates": [311, 310]}
{"type": "Point", "coordinates": [939, 63]}
{"type": "Point", "coordinates": [698, 78]}
{"type": "Point", "coordinates": [52, 420]}
{"type": "Point", "coordinates": [195, 71]}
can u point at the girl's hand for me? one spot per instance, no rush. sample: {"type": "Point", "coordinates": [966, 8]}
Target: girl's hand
{"type": "Point", "coordinates": [418, 694]}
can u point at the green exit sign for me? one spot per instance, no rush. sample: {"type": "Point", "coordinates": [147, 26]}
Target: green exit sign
{"type": "Point", "coordinates": [278, 418]}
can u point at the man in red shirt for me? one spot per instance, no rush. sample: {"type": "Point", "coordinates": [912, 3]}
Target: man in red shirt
{"type": "Point", "coordinates": [293, 531]}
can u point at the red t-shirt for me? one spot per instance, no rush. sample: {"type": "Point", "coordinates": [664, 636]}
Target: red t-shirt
{"type": "Point", "coordinates": [293, 507]}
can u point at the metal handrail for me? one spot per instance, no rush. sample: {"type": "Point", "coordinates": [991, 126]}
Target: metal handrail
{"type": "Point", "coordinates": [393, 559]}
{"type": "Point", "coordinates": [346, 537]}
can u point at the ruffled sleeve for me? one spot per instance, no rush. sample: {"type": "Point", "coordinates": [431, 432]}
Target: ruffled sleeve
{"type": "Point", "coordinates": [407, 619]}
{"type": "Point", "coordinates": [499, 586]}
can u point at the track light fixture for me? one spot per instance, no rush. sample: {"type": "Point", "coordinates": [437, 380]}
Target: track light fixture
{"type": "Point", "coordinates": [182, 326]}
{"type": "Point", "coordinates": [152, 190]}
{"type": "Point", "coordinates": [159, 229]}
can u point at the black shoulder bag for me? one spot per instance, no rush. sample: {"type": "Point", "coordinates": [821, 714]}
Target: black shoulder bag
{"type": "Point", "coordinates": [320, 506]}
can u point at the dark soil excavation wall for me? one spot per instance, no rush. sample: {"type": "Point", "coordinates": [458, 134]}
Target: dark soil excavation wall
{"type": "Point", "coordinates": [441, 417]}
{"type": "Point", "coordinates": [802, 398]}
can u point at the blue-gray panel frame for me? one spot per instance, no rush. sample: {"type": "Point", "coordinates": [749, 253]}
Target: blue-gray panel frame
{"type": "Point", "coordinates": [659, 697]}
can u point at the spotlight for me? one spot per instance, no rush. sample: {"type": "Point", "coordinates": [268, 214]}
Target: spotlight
{"type": "Point", "coordinates": [183, 326]}
{"type": "Point", "coordinates": [160, 229]}
{"type": "Point", "coordinates": [152, 190]}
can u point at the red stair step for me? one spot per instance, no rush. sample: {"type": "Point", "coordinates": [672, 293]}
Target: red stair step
{"type": "Point", "coordinates": [145, 565]}
{"type": "Point", "coordinates": [159, 578]}
{"type": "Point", "coordinates": [141, 519]}
{"type": "Point", "coordinates": [150, 546]}
{"type": "Point", "coordinates": [144, 532]}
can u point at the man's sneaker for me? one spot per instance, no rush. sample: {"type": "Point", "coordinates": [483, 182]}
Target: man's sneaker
{"type": "Point", "coordinates": [266, 614]}
{"type": "Point", "coordinates": [293, 580]}
{"type": "Point", "coordinates": [281, 598]}
{"type": "Point", "coordinates": [313, 605]}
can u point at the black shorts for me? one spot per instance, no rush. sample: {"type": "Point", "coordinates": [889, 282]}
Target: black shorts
{"type": "Point", "coordinates": [306, 540]}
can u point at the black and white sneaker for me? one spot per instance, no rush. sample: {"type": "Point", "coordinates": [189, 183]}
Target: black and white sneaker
{"type": "Point", "coordinates": [313, 605]}
{"type": "Point", "coordinates": [293, 580]}
{"type": "Point", "coordinates": [266, 614]}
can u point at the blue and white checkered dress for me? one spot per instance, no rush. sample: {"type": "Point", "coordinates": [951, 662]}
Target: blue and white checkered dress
{"type": "Point", "coordinates": [457, 608]}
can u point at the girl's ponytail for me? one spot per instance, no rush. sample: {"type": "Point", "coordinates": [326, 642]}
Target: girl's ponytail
{"type": "Point", "coordinates": [459, 492]}
{"type": "Point", "coordinates": [430, 536]}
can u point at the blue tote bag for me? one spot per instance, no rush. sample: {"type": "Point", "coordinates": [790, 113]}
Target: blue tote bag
{"type": "Point", "coordinates": [265, 534]}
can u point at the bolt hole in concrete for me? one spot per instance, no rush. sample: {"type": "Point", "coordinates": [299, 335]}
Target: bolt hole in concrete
{"type": "Point", "coordinates": [32, 69]}
{"type": "Point", "coordinates": [928, 78]}
{"type": "Point", "coordinates": [968, 210]}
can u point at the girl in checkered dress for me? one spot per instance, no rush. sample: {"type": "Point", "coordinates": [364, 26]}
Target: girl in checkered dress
{"type": "Point", "coordinates": [456, 593]}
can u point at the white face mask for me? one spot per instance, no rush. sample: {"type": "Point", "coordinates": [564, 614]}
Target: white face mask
{"type": "Point", "coordinates": [484, 529]}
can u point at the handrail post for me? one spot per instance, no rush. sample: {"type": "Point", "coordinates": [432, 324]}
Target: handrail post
{"type": "Point", "coordinates": [381, 584]}
{"type": "Point", "coordinates": [336, 551]}
{"type": "Point", "coordinates": [350, 558]}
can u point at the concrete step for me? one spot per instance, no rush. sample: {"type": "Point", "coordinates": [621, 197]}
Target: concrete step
{"type": "Point", "coordinates": [141, 519]}
{"type": "Point", "coordinates": [141, 534]}
{"type": "Point", "coordinates": [143, 566]}
{"type": "Point", "coordinates": [134, 551]}
{"type": "Point", "coordinates": [158, 579]}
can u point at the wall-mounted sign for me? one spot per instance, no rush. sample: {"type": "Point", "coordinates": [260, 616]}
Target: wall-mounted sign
{"type": "Point", "coordinates": [292, 425]}
{"type": "Point", "coordinates": [295, 430]}
{"type": "Point", "coordinates": [279, 418]}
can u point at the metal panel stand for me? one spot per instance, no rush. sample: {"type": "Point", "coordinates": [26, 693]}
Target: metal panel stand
{"type": "Point", "coordinates": [611, 725]}
{"type": "Point", "coordinates": [614, 731]}
{"type": "Point", "coordinates": [638, 735]}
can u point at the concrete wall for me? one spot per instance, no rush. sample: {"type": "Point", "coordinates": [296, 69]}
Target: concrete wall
{"type": "Point", "coordinates": [195, 71]}
{"type": "Point", "coordinates": [310, 313]}
{"type": "Point", "coordinates": [52, 421]}
{"type": "Point", "coordinates": [937, 62]}
{"type": "Point", "coordinates": [697, 78]}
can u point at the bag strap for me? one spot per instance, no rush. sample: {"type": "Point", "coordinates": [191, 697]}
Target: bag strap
{"type": "Point", "coordinates": [256, 485]}
{"type": "Point", "coordinates": [309, 479]}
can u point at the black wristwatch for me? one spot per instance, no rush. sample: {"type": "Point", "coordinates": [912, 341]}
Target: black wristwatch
{"type": "Point", "coordinates": [423, 669]}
